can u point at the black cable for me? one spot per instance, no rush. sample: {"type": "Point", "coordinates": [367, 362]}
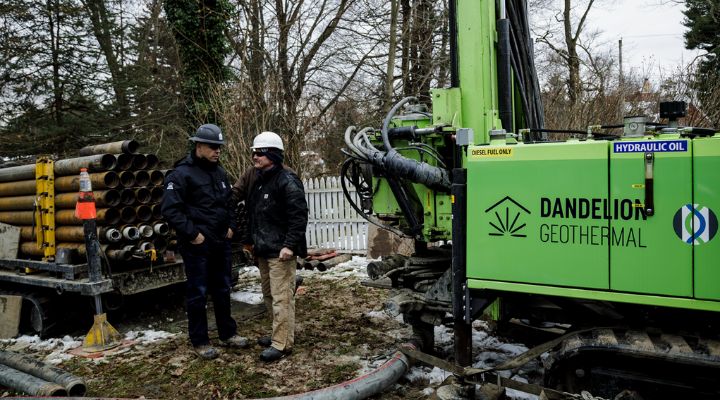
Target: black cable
{"type": "Point", "coordinates": [557, 130]}
{"type": "Point", "coordinates": [420, 149]}
{"type": "Point", "coordinates": [343, 171]}
{"type": "Point", "coordinates": [521, 88]}
{"type": "Point", "coordinates": [109, 275]}
{"type": "Point", "coordinates": [611, 126]}
{"type": "Point", "coordinates": [519, 48]}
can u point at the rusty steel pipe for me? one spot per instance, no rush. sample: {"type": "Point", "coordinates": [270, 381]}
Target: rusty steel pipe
{"type": "Point", "coordinates": [21, 173]}
{"type": "Point", "coordinates": [97, 163]}
{"type": "Point", "coordinates": [124, 162]}
{"type": "Point", "coordinates": [25, 383]}
{"type": "Point", "coordinates": [145, 245]}
{"type": "Point", "coordinates": [105, 216]}
{"type": "Point", "coordinates": [142, 178]}
{"type": "Point", "coordinates": [143, 195]}
{"type": "Point", "coordinates": [17, 203]}
{"type": "Point", "coordinates": [116, 254]}
{"type": "Point", "coordinates": [109, 234]}
{"type": "Point", "coordinates": [143, 212]}
{"type": "Point", "coordinates": [103, 198]}
{"type": "Point", "coordinates": [325, 265]}
{"type": "Point", "coordinates": [127, 196]}
{"type": "Point", "coordinates": [21, 188]}
{"type": "Point", "coordinates": [101, 180]}
{"type": "Point", "coordinates": [127, 215]}
{"type": "Point", "coordinates": [127, 179]}
{"type": "Point", "coordinates": [139, 161]}
{"type": "Point", "coordinates": [156, 178]}
{"type": "Point", "coordinates": [74, 385]}
{"type": "Point", "coordinates": [152, 161]}
{"type": "Point", "coordinates": [17, 218]}
{"type": "Point", "coordinates": [161, 228]}
{"type": "Point", "coordinates": [71, 166]}
{"type": "Point", "coordinates": [145, 230]}
{"type": "Point", "coordinates": [156, 211]}
{"type": "Point", "coordinates": [30, 248]}
{"type": "Point", "coordinates": [172, 243]}
{"type": "Point", "coordinates": [130, 232]}
{"type": "Point", "coordinates": [133, 250]}
{"type": "Point", "coordinates": [123, 146]}
{"type": "Point", "coordinates": [106, 234]}
{"type": "Point", "coordinates": [157, 194]}
{"type": "Point", "coordinates": [160, 244]}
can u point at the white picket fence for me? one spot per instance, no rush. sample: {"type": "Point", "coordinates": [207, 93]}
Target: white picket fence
{"type": "Point", "coordinates": [333, 223]}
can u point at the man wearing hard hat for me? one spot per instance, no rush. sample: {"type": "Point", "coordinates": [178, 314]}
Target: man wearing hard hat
{"type": "Point", "coordinates": [277, 220]}
{"type": "Point", "coordinates": [197, 203]}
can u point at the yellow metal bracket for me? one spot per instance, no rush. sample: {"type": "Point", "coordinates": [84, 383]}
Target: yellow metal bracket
{"type": "Point", "coordinates": [152, 253]}
{"type": "Point", "coordinates": [45, 206]}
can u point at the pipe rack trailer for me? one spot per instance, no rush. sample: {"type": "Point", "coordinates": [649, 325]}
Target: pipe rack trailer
{"type": "Point", "coordinates": [35, 223]}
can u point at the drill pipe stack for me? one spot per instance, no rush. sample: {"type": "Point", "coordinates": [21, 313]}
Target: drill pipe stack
{"type": "Point", "coordinates": [127, 187]}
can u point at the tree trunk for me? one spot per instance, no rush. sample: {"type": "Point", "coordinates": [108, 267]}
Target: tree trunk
{"type": "Point", "coordinates": [101, 29]}
{"type": "Point", "coordinates": [392, 49]}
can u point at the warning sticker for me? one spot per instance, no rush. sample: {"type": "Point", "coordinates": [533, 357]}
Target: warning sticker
{"type": "Point", "coordinates": [493, 152]}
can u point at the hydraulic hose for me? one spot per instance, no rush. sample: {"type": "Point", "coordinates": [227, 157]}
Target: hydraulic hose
{"type": "Point", "coordinates": [74, 385]}
{"type": "Point", "coordinates": [386, 122]}
{"type": "Point", "coordinates": [356, 389]}
{"type": "Point", "coordinates": [343, 171]}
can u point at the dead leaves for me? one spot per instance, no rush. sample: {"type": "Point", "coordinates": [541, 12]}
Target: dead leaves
{"type": "Point", "coordinates": [178, 372]}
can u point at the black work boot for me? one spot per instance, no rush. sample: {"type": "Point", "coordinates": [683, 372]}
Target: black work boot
{"type": "Point", "coordinates": [273, 354]}
{"type": "Point", "coordinates": [265, 341]}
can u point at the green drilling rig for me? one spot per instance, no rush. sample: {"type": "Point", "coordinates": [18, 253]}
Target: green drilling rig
{"type": "Point", "coordinates": [610, 235]}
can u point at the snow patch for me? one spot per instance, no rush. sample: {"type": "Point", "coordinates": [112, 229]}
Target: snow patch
{"type": "Point", "coordinates": [147, 337]}
{"type": "Point", "coordinates": [251, 297]}
{"type": "Point", "coordinates": [426, 376]}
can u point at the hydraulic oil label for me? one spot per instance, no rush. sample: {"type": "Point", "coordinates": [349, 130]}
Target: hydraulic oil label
{"type": "Point", "coordinates": [651, 146]}
{"type": "Point", "coordinates": [493, 152]}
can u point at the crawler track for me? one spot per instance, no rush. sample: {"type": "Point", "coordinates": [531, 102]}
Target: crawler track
{"type": "Point", "coordinates": [656, 365]}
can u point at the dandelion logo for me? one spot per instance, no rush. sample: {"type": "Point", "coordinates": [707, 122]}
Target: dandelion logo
{"type": "Point", "coordinates": [507, 220]}
{"type": "Point", "coordinates": [695, 224]}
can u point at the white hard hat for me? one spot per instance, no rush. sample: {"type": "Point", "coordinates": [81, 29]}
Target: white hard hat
{"type": "Point", "coordinates": [267, 140]}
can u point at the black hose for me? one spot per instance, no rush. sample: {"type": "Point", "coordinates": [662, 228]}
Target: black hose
{"type": "Point", "coordinates": [557, 131]}
{"type": "Point", "coordinates": [343, 171]}
{"type": "Point", "coordinates": [420, 149]}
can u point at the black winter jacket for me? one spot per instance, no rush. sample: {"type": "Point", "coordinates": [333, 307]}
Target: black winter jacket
{"type": "Point", "coordinates": [198, 198]}
{"type": "Point", "coordinates": [277, 214]}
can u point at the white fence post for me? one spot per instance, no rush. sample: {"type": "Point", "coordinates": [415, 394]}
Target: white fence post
{"type": "Point", "coordinates": [332, 222]}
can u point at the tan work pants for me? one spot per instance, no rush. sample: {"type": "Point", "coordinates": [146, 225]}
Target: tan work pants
{"type": "Point", "coordinates": [278, 285]}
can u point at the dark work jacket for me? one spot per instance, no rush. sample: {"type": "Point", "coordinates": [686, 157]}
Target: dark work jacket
{"type": "Point", "coordinates": [198, 199]}
{"type": "Point", "coordinates": [277, 214]}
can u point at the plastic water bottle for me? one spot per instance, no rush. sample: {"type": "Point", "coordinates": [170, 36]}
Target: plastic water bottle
{"type": "Point", "coordinates": [85, 185]}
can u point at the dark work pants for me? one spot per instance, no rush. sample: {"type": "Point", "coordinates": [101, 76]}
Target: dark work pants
{"type": "Point", "coordinates": [207, 267]}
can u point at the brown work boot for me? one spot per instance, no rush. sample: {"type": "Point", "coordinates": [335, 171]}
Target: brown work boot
{"type": "Point", "coordinates": [235, 341]}
{"type": "Point", "coordinates": [206, 352]}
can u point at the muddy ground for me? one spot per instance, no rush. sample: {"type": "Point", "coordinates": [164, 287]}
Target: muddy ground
{"type": "Point", "coordinates": [340, 333]}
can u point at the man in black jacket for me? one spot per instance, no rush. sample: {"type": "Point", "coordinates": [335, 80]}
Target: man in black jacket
{"type": "Point", "coordinates": [197, 203]}
{"type": "Point", "coordinates": [277, 220]}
